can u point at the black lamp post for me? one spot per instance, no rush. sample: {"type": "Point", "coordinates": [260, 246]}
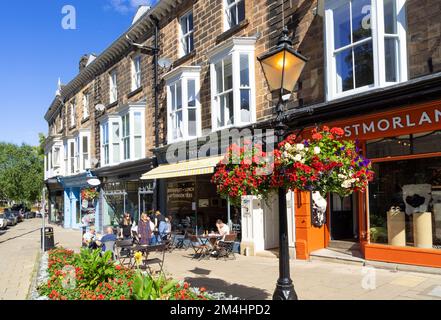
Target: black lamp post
{"type": "Point", "coordinates": [282, 67]}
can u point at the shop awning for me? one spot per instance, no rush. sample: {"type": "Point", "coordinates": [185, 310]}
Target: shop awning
{"type": "Point", "coordinates": [183, 169]}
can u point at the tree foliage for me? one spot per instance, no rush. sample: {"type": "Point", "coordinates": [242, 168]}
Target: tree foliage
{"type": "Point", "coordinates": [21, 172]}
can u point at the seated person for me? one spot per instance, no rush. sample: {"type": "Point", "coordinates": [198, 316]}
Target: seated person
{"type": "Point", "coordinates": [222, 228]}
{"type": "Point", "coordinates": [109, 236]}
{"type": "Point", "coordinates": [89, 239]}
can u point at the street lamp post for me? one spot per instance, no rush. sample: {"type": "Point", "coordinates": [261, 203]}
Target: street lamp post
{"type": "Point", "coordinates": [282, 67]}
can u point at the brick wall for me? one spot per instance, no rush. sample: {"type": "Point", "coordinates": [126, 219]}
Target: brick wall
{"type": "Point", "coordinates": [423, 37]}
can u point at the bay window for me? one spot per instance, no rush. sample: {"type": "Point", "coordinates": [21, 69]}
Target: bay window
{"type": "Point", "coordinates": [56, 157]}
{"type": "Point", "coordinates": [365, 45]}
{"type": "Point", "coordinates": [123, 135]}
{"type": "Point", "coordinates": [183, 85]}
{"type": "Point", "coordinates": [186, 31]}
{"type": "Point", "coordinates": [72, 156]}
{"type": "Point", "coordinates": [136, 73]}
{"type": "Point", "coordinates": [84, 138]}
{"type": "Point", "coordinates": [126, 136]}
{"type": "Point", "coordinates": [77, 154]}
{"type": "Point", "coordinates": [234, 13]}
{"type": "Point", "coordinates": [233, 89]}
{"type": "Point", "coordinates": [66, 157]}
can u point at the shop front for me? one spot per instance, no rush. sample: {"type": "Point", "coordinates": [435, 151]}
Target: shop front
{"type": "Point", "coordinates": [122, 191]}
{"type": "Point", "coordinates": [399, 218]}
{"type": "Point", "coordinates": [56, 201]}
{"type": "Point", "coordinates": [80, 201]}
{"type": "Point", "coordinates": [189, 197]}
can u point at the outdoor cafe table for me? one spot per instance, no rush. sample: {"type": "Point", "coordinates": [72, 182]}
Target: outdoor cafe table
{"type": "Point", "coordinates": [145, 250]}
{"type": "Point", "coordinates": [210, 239]}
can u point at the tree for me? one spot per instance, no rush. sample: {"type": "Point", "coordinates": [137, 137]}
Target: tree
{"type": "Point", "coordinates": [21, 172]}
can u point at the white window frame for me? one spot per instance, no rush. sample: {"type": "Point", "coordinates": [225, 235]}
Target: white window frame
{"type": "Point", "coordinates": [235, 47]}
{"type": "Point", "coordinates": [66, 157]}
{"type": "Point", "coordinates": [136, 72]}
{"type": "Point", "coordinates": [227, 19]}
{"type": "Point", "coordinates": [113, 86]}
{"type": "Point", "coordinates": [183, 49]}
{"type": "Point", "coordinates": [73, 111]}
{"type": "Point", "coordinates": [105, 145]}
{"type": "Point", "coordinates": [126, 137]}
{"type": "Point", "coordinates": [83, 158]}
{"type": "Point", "coordinates": [56, 156]}
{"type": "Point", "coordinates": [183, 75]}
{"type": "Point", "coordinates": [72, 159]}
{"type": "Point", "coordinates": [378, 37]}
{"type": "Point", "coordinates": [86, 105]}
{"type": "Point", "coordinates": [117, 118]}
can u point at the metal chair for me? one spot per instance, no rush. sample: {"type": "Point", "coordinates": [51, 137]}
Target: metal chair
{"type": "Point", "coordinates": [226, 246]}
{"type": "Point", "coordinates": [124, 251]}
{"type": "Point", "coordinates": [200, 250]}
{"type": "Point", "coordinates": [110, 246]}
{"type": "Point", "coordinates": [147, 263]}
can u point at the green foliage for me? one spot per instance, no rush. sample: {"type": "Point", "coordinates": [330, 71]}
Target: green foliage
{"type": "Point", "coordinates": [378, 234]}
{"type": "Point", "coordinates": [96, 268]}
{"type": "Point", "coordinates": [148, 288]}
{"type": "Point", "coordinates": [21, 172]}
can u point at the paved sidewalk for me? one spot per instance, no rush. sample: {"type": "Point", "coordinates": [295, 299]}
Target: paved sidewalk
{"type": "Point", "coordinates": [19, 250]}
{"type": "Point", "coordinates": [255, 278]}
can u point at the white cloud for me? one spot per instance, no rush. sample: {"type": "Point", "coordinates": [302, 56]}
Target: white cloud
{"type": "Point", "coordinates": [126, 6]}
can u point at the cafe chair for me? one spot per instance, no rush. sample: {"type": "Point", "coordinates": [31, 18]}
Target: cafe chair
{"type": "Point", "coordinates": [200, 250]}
{"type": "Point", "coordinates": [226, 247]}
{"type": "Point", "coordinates": [124, 252]}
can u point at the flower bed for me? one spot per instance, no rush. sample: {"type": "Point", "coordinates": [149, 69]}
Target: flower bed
{"type": "Point", "coordinates": [90, 276]}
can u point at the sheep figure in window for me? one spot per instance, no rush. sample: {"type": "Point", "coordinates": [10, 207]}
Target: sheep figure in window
{"type": "Point", "coordinates": [319, 205]}
{"type": "Point", "coordinates": [417, 197]}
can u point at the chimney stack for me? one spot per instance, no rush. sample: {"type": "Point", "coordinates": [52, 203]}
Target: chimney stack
{"type": "Point", "coordinates": [83, 61]}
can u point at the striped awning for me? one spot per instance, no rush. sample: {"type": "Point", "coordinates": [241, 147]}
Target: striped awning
{"type": "Point", "coordinates": [183, 169]}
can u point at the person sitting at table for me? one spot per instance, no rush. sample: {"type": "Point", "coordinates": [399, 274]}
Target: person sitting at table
{"type": "Point", "coordinates": [222, 228]}
{"type": "Point", "coordinates": [145, 230]}
{"type": "Point", "coordinates": [89, 239]}
{"type": "Point", "coordinates": [109, 236]}
{"type": "Point", "coordinates": [126, 227]}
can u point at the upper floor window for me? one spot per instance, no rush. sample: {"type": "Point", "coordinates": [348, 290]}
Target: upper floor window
{"type": "Point", "coordinates": [183, 103]}
{"type": "Point", "coordinates": [86, 105]}
{"type": "Point", "coordinates": [66, 156]}
{"type": "Point", "coordinates": [73, 111]}
{"type": "Point", "coordinates": [234, 13]}
{"type": "Point", "coordinates": [72, 157]}
{"type": "Point", "coordinates": [366, 45]}
{"type": "Point", "coordinates": [56, 157]}
{"type": "Point", "coordinates": [85, 156]}
{"type": "Point", "coordinates": [126, 136]}
{"type": "Point", "coordinates": [113, 86]}
{"type": "Point", "coordinates": [123, 135]}
{"type": "Point", "coordinates": [136, 73]}
{"type": "Point", "coordinates": [186, 28]}
{"type": "Point", "coordinates": [233, 98]}
{"type": "Point", "coordinates": [105, 152]}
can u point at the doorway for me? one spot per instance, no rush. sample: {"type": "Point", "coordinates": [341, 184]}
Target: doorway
{"type": "Point", "coordinates": [343, 218]}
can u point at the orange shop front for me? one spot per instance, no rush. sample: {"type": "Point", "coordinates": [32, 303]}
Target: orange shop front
{"type": "Point", "coordinates": [398, 219]}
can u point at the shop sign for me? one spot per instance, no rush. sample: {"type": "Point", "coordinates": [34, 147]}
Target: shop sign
{"type": "Point", "coordinates": [395, 123]}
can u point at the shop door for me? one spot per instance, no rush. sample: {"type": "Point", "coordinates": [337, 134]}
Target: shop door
{"type": "Point", "coordinates": [343, 224]}
{"type": "Point", "coordinates": [271, 222]}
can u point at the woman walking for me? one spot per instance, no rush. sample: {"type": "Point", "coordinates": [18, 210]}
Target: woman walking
{"type": "Point", "coordinates": [126, 227]}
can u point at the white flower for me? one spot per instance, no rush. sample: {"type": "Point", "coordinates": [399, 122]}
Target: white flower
{"type": "Point", "coordinates": [346, 184]}
{"type": "Point", "coordinates": [317, 150]}
{"type": "Point", "coordinates": [285, 154]}
{"type": "Point", "coordinates": [342, 176]}
{"type": "Point", "coordinates": [300, 146]}
{"type": "Point", "coordinates": [298, 157]}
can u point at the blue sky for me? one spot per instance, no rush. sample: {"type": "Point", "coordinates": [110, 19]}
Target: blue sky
{"type": "Point", "coordinates": [36, 50]}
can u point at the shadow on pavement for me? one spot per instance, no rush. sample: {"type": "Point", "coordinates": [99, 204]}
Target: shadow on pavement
{"type": "Point", "coordinates": [21, 235]}
{"type": "Point", "coordinates": [199, 271]}
{"type": "Point", "coordinates": [234, 289]}
{"type": "Point", "coordinates": [2, 232]}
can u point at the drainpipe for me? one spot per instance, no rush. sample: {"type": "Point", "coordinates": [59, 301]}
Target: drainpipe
{"type": "Point", "coordinates": [155, 80]}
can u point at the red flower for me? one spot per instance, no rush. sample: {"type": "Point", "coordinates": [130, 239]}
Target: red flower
{"type": "Point", "coordinates": [337, 131]}
{"type": "Point", "coordinates": [317, 136]}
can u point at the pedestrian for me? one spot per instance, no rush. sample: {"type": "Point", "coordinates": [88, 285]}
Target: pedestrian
{"type": "Point", "coordinates": [144, 230]}
{"type": "Point", "coordinates": [160, 226]}
{"type": "Point", "coordinates": [89, 239]}
{"type": "Point", "coordinates": [126, 227]}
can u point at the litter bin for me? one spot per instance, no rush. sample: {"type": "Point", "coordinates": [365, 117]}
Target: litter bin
{"type": "Point", "coordinates": [49, 242]}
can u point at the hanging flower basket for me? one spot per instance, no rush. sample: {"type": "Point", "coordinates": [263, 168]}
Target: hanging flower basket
{"type": "Point", "coordinates": [325, 163]}
{"type": "Point", "coordinates": [89, 194]}
{"type": "Point", "coordinates": [243, 171]}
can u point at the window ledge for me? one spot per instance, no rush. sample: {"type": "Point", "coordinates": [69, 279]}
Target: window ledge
{"type": "Point", "coordinates": [134, 92]}
{"type": "Point", "coordinates": [185, 58]}
{"type": "Point", "coordinates": [230, 32]}
{"type": "Point", "coordinates": [85, 120]}
{"type": "Point", "coordinates": [111, 105]}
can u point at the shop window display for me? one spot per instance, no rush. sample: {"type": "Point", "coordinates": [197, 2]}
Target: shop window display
{"type": "Point", "coordinates": [405, 196]}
